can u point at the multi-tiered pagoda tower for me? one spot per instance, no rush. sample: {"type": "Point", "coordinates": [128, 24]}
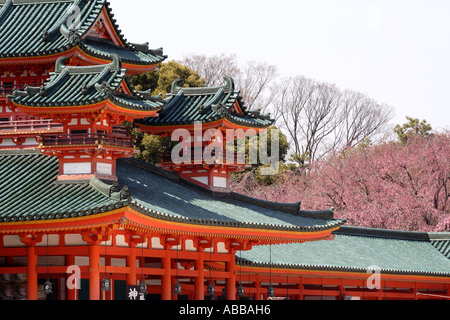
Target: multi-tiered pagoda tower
{"type": "Point", "coordinates": [35, 34]}
{"type": "Point", "coordinates": [91, 103]}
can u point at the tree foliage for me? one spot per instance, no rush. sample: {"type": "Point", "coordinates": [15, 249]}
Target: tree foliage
{"type": "Point", "coordinates": [151, 146]}
{"type": "Point", "coordinates": [160, 81]}
{"type": "Point", "coordinates": [412, 127]}
{"type": "Point", "coordinates": [255, 169]}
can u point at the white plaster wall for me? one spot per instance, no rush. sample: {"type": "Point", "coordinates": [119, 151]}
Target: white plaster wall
{"type": "Point", "coordinates": [104, 168]}
{"type": "Point", "coordinates": [77, 168]}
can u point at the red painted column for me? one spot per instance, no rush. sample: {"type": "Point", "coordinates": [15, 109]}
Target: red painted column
{"type": "Point", "coordinates": [70, 261]}
{"type": "Point", "coordinates": [131, 263]}
{"type": "Point", "coordinates": [200, 280]}
{"type": "Point", "coordinates": [32, 277]}
{"type": "Point", "coordinates": [166, 283]}
{"type": "Point", "coordinates": [30, 241]}
{"type": "Point", "coordinates": [231, 281]}
{"type": "Point", "coordinates": [173, 279]}
{"type": "Point", "coordinates": [94, 272]}
{"type": "Point", "coordinates": [257, 287]}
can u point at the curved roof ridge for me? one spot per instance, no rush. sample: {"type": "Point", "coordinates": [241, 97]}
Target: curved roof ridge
{"type": "Point", "coordinates": [384, 233]}
{"type": "Point", "coordinates": [22, 2]}
{"type": "Point", "coordinates": [227, 88]}
{"type": "Point", "coordinates": [185, 106]}
{"type": "Point", "coordinates": [115, 65]}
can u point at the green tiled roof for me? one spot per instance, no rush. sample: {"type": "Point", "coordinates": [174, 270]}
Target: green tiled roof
{"type": "Point", "coordinates": [23, 25]}
{"type": "Point", "coordinates": [188, 105]}
{"type": "Point", "coordinates": [180, 201]}
{"type": "Point", "coordinates": [103, 49]}
{"type": "Point", "coordinates": [40, 28]}
{"type": "Point", "coordinates": [357, 250]}
{"type": "Point", "coordinates": [29, 191]}
{"type": "Point", "coordinates": [78, 86]}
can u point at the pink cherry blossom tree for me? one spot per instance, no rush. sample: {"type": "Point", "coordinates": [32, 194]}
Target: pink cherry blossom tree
{"type": "Point", "coordinates": [390, 185]}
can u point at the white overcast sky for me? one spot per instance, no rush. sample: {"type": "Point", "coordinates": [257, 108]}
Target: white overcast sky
{"type": "Point", "coordinates": [396, 51]}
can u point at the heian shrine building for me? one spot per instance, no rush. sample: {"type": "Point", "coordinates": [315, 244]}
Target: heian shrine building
{"type": "Point", "coordinates": [81, 219]}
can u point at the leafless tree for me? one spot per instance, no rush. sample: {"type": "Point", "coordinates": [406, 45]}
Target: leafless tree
{"type": "Point", "coordinates": [319, 118]}
{"type": "Point", "coordinates": [254, 82]}
{"type": "Point", "coordinates": [292, 96]}
{"type": "Point", "coordinates": [362, 117]}
{"type": "Point", "coordinates": [253, 79]}
{"type": "Point", "coordinates": [213, 68]}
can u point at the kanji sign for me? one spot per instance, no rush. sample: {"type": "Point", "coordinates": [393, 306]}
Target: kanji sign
{"type": "Point", "coordinates": [132, 293]}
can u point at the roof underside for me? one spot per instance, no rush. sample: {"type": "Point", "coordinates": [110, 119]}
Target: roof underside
{"type": "Point", "coordinates": [33, 28]}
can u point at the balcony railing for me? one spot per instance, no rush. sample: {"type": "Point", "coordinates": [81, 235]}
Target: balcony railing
{"type": "Point", "coordinates": [86, 139]}
{"type": "Point", "coordinates": [120, 130]}
{"type": "Point", "coordinates": [8, 87]}
{"type": "Point", "coordinates": [29, 126]}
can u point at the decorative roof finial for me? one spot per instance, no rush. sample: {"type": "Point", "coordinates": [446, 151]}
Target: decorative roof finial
{"type": "Point", "coordinates": [114, 188]}
{"type": "Point", "coordinates": [104, 88]}
{"type": "Point", "coordinates": [116, 64]}
{"type": "Point", "coordinates": [59, 65]}
{"type": "Point", "coordinates": [229, 84]}
{"type": "Point", "coordinates": [125, 193]}
{"type": "Point", "coordinates": [176, 85]}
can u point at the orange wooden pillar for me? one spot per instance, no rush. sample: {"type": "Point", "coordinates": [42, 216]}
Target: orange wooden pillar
{"type": "Point", "coordinates": [166, 283]}
{"type": "Point", "coordinates": [30, 240]}
{"type": "Point", "coordinates": [94, 272]}
{"type": "Point", "coordinates": [257, 287]}
{"type": "Point", "coordinates": [131, 263]}
{"type": "Point", "coordinates": [32, 277]}
{"type": "Point", "coordinates": [300, 288]}
{"type": "Point", "coordinates": [200, 280]}
{"type": "Point", "coordinates": [173, 279]}
{"type": "Point", "coordinates": [71, 293]}
{"type": "Point", "coordinates": [109, 295]}
{"type": "Point", "coordinates": [231, 281]}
